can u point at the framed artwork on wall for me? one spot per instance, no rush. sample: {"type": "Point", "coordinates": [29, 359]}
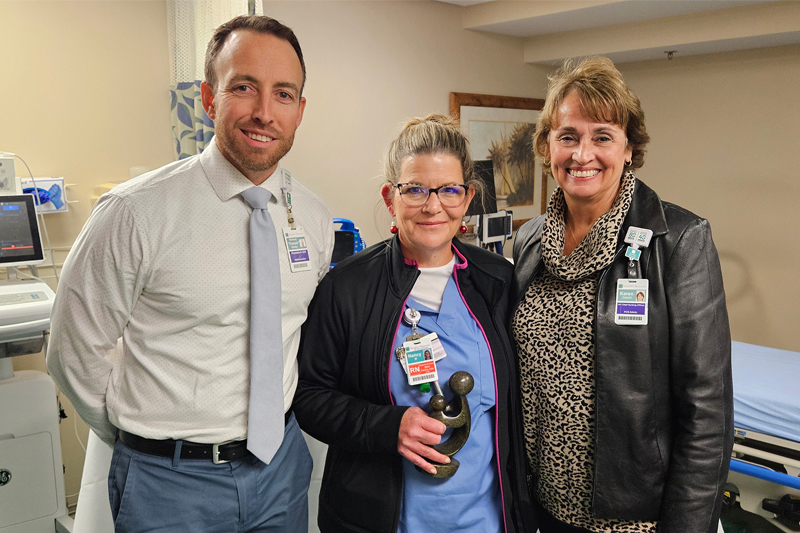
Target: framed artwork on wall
{"type": "Point", "coordinates": [500, 130]}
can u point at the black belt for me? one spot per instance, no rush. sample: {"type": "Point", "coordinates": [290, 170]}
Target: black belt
{"type": "Point", "coordinates": [217, 453]}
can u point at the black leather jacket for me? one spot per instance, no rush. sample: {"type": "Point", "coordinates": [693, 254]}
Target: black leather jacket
{"type": "Point", "coordinates": [664, 411]}
{"type": "Point", "coordinates": [343, 394]}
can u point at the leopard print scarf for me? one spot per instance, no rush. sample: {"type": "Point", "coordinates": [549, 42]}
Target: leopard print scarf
{"type": "Point", "coordinates": [596, 250]}
{"type": "Point", "coordinates": [554, 330]}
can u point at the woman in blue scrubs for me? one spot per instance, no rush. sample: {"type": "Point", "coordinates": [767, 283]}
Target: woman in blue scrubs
{"type": "Point", "coordinates": [354, 392]}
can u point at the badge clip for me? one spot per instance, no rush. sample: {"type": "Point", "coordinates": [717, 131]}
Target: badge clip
{"type": "Point", "coordinates": [286, 189]}
{"type": "Point", "coordinates": [636, 237]}
{"type": "Point", "coordinates": [412, 317]}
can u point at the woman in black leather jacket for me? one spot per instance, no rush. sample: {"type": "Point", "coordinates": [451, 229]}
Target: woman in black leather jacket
{"type": "Point", "coordinates": [354, 392]}
{"type": "Point", "coordinates": [627, 401]}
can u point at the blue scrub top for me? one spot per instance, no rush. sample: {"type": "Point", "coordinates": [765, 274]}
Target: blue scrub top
{"type": "Point", "coordinates": [470, 500]}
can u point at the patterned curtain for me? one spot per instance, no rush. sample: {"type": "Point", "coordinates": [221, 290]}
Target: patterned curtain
{"type": "Point", "coordinates": [190, 24]}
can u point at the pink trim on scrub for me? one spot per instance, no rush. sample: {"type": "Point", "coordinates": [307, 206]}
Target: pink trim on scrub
{"type": "Point", "coordinates": [463, 264]}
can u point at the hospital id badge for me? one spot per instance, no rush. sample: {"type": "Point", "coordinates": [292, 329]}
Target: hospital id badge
{"type": "Point", "coordinates": [436, 345]}
{"type": "Point", "coordinates": [419, 363]}
{"type": "Point", "coordinates": [297, 248]}
{"type": "Point", "coordinates": [633, 296]}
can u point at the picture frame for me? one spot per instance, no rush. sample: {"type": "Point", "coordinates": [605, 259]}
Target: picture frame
{"type": "Point", "coordinates": [500, 128]}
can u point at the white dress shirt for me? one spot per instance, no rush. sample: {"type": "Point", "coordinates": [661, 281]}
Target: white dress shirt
{"type": "Point", "coordinates": [163, 262]}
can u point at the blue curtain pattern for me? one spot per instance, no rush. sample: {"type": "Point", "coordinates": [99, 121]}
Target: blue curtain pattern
{"type": "Point", "coordinates": [192, 130]}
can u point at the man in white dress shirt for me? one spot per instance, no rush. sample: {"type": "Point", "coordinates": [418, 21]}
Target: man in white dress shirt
{"type": "Point", "coordinates": [163, 263]}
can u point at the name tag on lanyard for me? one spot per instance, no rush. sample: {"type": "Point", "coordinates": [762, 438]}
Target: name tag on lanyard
{"type": "Point", "coordinates": [294, 237]}
{"type": "Point", "coordinates": [633, 293]}
{"type": "Point", "coordinates": [419, 353]}
{"type": "Point", "coordinates": [297, 248]}
{"type": "Point", "coordinates": [632, 301]}
{"type": "Point", "coordinates": [419, 363]}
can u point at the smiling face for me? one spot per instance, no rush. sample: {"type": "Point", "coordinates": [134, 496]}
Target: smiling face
{"type": "Point", "coordinates": [425, 231]}
{"type": "Point", "coordinates": [256, 106]}
{"type": "Point", "coordinates": [587, 157]}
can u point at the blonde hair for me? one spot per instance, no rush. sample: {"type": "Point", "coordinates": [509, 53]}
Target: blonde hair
{"type": "Point", "coordinates": [434, 134]}
{"type": "Point", "coordinates": [604, 97]}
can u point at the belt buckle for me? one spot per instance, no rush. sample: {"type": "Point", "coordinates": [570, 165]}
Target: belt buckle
{"type": "Point", "coordinates": [215, 452]}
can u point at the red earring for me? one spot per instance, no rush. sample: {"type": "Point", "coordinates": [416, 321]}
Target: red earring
{"type": "Point", "coordinates": [463, 228]}
{"type": "Point", "coordinates": [393, 229]}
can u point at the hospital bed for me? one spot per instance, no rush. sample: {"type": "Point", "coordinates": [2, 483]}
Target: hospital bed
{"type": "Point", "coordinates": [766, 394]}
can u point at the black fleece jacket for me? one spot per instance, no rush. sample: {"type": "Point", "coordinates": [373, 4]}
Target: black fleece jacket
{"type": "Point", "coordinates": [343, 393]}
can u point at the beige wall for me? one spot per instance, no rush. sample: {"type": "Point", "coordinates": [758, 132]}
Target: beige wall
{"type": "Point", "coordinates": [371, 66]}
{"type": "Point", "coordinates": [725, 137]}
{"type": "Point", "coordinates": [85, 95]}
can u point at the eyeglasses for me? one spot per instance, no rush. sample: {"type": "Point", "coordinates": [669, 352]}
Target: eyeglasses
{"type": "Point", "coordinates": [415, 195]}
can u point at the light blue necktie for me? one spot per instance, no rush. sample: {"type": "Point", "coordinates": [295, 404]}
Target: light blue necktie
{"type": "Point", "coordinates": [265, 414]}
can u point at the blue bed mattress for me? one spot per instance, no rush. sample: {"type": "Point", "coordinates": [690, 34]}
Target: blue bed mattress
{"type": "Point", "coordinates": [766, 390]}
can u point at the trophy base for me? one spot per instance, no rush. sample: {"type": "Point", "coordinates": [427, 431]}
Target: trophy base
{"type": "Point", "coordinates": [442, 471]}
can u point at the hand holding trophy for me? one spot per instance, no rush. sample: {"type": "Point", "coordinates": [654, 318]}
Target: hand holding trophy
{"type": "Point", "coordinates": [456, 415]}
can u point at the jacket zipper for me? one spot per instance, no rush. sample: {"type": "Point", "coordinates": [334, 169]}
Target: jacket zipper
{"type": "Point", "coordinates": [496, 399]}
{"type": "Point", "coordinates": [389, 387]}
{"type": "Point", "coordinates": [391, 351]}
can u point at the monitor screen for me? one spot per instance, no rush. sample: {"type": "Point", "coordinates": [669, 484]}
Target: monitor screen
{"type": "Point", "coordinates": [496, 226]}
{"type": "Point", "coordinates": [20, 243]}
{"type": "Point", "coordinates": [343, 245]}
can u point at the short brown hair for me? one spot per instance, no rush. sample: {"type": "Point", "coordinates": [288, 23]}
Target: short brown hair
{"type": "Point", "coordinates": [255, 23]}
{"type": "Point", "coordinates": [604, 97]}
{"type": "Point", "coordinates": [434, 134]}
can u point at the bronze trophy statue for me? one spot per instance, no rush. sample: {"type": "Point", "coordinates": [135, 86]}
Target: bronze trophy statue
{"type": "Point", "coordinates": [456, 415]}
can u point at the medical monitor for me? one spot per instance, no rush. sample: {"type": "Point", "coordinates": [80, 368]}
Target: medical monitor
{"type": "Point", "coordinates": [347, 240]}
{"type": "Point", "coordinates": [343, 246]}
{"type": "Point", "coordinates": [20, 242]}
{"type": "Point", "coordinates": [495, 227]}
